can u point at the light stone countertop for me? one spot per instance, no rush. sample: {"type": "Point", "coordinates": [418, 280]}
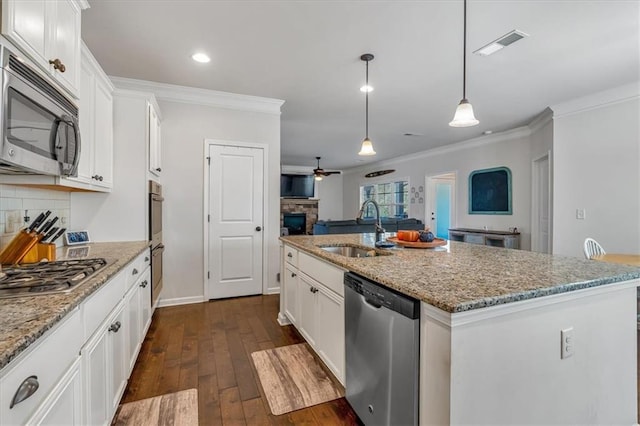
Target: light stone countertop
{"type": "Point", "coordinates": [461, 276]}
{"type": "Point", "coordinates": [24, 319]}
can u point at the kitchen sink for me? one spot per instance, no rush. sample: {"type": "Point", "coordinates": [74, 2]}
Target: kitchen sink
{"type": "Point", "coordinates": [354, 251]}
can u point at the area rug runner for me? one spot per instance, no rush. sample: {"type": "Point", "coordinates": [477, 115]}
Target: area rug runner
{"type": "Point", "coordinates": [292, 378]}
{"type": "Point", "coordinates": [172, 409]}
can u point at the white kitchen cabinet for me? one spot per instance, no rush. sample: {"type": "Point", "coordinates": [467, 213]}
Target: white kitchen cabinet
{"type": "Point", "coordinates": [64, 405]}
{"type": "Point", "coordinates": [95, 379]}
{"type": "Point", "coordinates": [146, 310]}
{"type": "Point", "coordinates": [290, 293]}
{"type": "Point", "coordinates": [308, 315]}
{"type": "Point", "coordinates": [117, 351]}
{"type": "Point", "coordinates": [48, 32]}
{"type": "Point", "coordinates": [133, 331]}
{"type": "Point", "coordinates": [95, 168]}
{"type": "Point", "coordinates": [35, 367]}
{"type": "Point", "coordinates": [330, 330]}
{"type": "Point", "coordinates": [154, 139]}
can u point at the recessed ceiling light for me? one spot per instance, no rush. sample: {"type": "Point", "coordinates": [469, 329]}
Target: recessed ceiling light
{"type": "Point", "coordinates": [500, 43]}
{"type": "Point", "coordinates": [201, 57]}
{"type": "Point", "coordinates": [366, 88]}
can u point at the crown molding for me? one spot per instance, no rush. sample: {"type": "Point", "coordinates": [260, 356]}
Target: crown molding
{"type": "Point", "coordinates": [541, 120]}
{"type": "Point", "coordinates": [601, 99]}
{"type": "Point", "coordinates": [197, 96]}
{"type": "Point", "coordinates": [467, 144]}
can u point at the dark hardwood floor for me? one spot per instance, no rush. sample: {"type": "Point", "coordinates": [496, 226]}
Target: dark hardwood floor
{"type": "Point", "coordinates": [208, 346]}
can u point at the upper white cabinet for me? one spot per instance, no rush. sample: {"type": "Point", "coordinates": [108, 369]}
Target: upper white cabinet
{"type": "Point", "coordinates": [154, 140]}
{"type": "Point", "coordinates": [48, 31]}
{"type": "Point", "coordinates": [96, 125]}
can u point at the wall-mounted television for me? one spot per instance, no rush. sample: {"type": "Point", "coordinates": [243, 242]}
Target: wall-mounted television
{"type": "Point", "coordinates": [296, 186]}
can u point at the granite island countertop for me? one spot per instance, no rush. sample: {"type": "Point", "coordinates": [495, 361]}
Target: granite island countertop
{"type": "Point", "coordinates": [461, 276]}
{"type": "Point", "coordinates": [24, 319]}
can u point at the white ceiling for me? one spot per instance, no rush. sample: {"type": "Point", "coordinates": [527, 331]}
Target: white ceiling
{"type": "Point", "coordinates": [307, 53]}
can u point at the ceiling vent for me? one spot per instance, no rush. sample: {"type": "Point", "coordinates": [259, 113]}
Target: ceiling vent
{"type": "Point", "coordinates": [501, 43]}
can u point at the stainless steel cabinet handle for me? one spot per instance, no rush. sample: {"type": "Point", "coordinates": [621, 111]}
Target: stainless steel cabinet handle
{"type": "Point", "coordinates": [115, 326]}
{"type": "Point", "coordinates": [27, 388]}
{"type": "Point", "coordinates": [134, 272]}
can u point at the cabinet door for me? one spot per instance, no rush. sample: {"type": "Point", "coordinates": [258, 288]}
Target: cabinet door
{"type": "Point", "coordinates": [86, 117]}
{"type": "Point", "coordinates": [291, 303]}
{"type": "Point", "coordinates": [154, 141]}
{"type": "Point", "coordinates": [307, 313]}
{"type": "Point", "coordinates": [103, 135]}
{"type": "Point", "coordinates": [132, 326]}
{"type": "Point", "coordinates": [96, 373]}
{"type": "Point", "coordinates": [25, 23]}
{"type": "Point", "coordinates": [64, 405]}
{"type": "Point", "coordinates": [65, 43]}
{"type": "Point", "coordinates": [117, 344]}
{"type": "Point", "coordinates": [330, 330]}
{"type": "Point", "coordinates": [145, 304]}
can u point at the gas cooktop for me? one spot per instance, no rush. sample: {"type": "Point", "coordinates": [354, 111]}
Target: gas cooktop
{"type": "Point", "coordinates": [47, 277]}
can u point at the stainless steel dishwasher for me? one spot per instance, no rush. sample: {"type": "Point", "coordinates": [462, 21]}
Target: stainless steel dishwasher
{"type": "Point", "coordinates": [382, 329]}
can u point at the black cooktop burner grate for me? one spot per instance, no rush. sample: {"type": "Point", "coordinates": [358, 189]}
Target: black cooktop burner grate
{"type": "Point", "coordinates": [47, 277]}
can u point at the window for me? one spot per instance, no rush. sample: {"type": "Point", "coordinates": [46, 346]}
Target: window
{"type": "Point", "coordinates": [392, 197]}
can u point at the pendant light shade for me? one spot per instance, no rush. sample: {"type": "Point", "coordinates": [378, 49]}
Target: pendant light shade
{"type": "Point", "coordinates": [367, 146]}
{"type": "Point", "coordinates": [464, 112]}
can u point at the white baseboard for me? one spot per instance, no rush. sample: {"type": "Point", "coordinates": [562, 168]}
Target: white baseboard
{"type": "Point", "coordinates": [282, 319]}
{"type": "Point", "coordinates": [274, 290]}
{"type": "Point", "coordinates": [180, 301]}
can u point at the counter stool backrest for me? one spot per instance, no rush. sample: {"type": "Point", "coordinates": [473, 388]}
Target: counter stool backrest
{"type": "Point", "coordinates": [592, 248]}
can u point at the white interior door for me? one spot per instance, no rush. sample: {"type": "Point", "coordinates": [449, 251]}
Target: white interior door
{"type": "Point", "coordinates": [542, 205]}
{"type": "Point", "coordinates": [235, 224]}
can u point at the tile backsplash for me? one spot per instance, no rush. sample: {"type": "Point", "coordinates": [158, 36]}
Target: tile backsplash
{"type": "Point", "coordinates": [14, 200]}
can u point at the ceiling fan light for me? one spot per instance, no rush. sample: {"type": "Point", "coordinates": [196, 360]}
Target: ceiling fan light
{"type": "Point", "coordinates": [464, 115]}
{"type": "Point", "coordinates": [318, 178]}
{"type": "Point", "coordinates": [367, 148]}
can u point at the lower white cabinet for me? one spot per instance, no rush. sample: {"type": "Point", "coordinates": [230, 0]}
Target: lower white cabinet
{"type": "Point", "coordinates": [314, 302]}
{"type": "Point", "coordinates": [64, 405]}
{"type": "Point", "coordinates": [291, 303]}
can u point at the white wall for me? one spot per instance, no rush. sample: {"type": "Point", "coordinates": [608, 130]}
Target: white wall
{"type": "Point", "coordinates": [184, 129]}
{"type": "Point", "coordinates": [596, 166]}
{"type": "Point", "coordinates": [511, 149]}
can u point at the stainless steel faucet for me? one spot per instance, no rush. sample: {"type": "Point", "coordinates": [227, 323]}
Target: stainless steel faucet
{"type": "Point", "coordinates": [379, 229]}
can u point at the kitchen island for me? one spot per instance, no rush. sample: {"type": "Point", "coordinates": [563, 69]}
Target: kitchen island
{"type": "Point", "coordinates": [491, 327]}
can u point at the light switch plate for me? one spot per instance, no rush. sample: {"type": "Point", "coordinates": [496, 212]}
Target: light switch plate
{"type": "Point", "coordinates": [567, 343]}
{"type": "Point", "coordinates": [581, 214]}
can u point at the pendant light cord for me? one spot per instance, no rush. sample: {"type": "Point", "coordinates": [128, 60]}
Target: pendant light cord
{"type": "Point", "coordinates": [366, 115]}
{"type": "Point", "coordinates": [464, 54]}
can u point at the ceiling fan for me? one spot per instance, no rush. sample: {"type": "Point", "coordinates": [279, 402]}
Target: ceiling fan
{"type": "Point", "coordinates": [320, 173]}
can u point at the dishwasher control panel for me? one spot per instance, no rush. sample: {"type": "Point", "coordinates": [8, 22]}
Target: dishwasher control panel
{"type": "Point", "coordinates": [379, 296]}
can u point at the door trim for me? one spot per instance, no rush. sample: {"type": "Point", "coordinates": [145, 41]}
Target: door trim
{"type": "Point", "coordinates": [534, 202]}
{"type": "Point", "coordinates": [265, 210]}
{"type": "Point", "coordinates": [429, 202]}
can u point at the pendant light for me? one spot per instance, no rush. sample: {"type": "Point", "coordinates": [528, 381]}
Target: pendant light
{"type": "Point", "coordinates": [464, 112]}
{"type": "Point", "coordinates": [367, 146]}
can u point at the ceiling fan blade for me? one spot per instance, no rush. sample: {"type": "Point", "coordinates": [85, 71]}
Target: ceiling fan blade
{"type": "Point", "coordinates": [334, 172]}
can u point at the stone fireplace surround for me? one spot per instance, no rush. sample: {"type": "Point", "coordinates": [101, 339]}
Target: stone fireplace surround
{"type": "Point", "coordinates": [300, 205]}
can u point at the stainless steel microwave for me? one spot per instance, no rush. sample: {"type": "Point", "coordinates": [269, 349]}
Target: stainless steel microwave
{"type": "Point", "coordinates": [39, 124]}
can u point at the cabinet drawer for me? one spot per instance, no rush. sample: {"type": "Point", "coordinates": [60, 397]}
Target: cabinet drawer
{"type": "Point", "coordinates": [50, 357]}
{"type": "Point", "coordinates": [323, 272]}
{"type": "Point", "coordinates": [135, 269]}
{"type": "Point", "coordinates": [291, 255]}
{"type": "Point", "coordinates": [101, 303]}
{"type": "Point", "coordinates": [474, 239]}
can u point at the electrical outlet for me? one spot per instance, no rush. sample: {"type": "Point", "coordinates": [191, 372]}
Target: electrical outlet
{"type": "Point", "coordinates": [12, 221]}
{"type": "Point", "coordinates": [567, 343]}
{"type": "Point", "coordinates": [581, 214]}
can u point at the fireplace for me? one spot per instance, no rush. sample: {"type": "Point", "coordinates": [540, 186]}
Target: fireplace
{"type": "Point", "coordinates": [296, 223]}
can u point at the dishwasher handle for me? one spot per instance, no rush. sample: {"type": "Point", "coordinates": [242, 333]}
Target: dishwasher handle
{"type": "Point", "coordinates": [370, 302]}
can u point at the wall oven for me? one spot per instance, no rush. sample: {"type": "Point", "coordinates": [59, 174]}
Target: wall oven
{"type": "Point", "coordinates": [155, 236]}
{"type": "Point", "coordinates": [39, 125]}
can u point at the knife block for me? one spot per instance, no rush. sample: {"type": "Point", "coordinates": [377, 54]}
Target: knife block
{"type": "Point", "coordinates": [18, 247]}
{"type": "Point", "coordinates": [38, 252]}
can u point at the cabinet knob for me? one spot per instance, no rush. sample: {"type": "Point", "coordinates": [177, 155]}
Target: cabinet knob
{"type": "Point", "coordinates": [258, 228]}
{"type": "Point", "coordinates": [134, 272]}
{"type": "Point", "coordinates": [58, 65]}
{"type": "Point", "coordinates": [146, 258]}
{"type": "Point", "coordinates": [289, 254]}
{"type": "Point", "coordinates": [95, 177]}
{"type": "Point", "coordinates": [144, 283]}
{"type": "Point", "coordinates": [27, 388]}
{"type": "Point", "coordinates": [158, 169]}
{"type": "Point", "coordinates": [100, 178]}
{"type": "Point", "coordinates": [293, 275]}
{"type": "Point", "coordinates": [115, 326]}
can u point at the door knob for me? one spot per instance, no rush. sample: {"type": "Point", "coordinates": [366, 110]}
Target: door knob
{"type": "Point", "coordinates": [258, 228]}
